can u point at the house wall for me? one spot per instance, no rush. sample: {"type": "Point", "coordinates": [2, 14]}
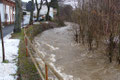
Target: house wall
{"type": "Point", "coordinates": [9, 11]}
{"type": "Point", "coordinates": [6, 8]}
{"type": "Point", "coordinates": [2, 12]}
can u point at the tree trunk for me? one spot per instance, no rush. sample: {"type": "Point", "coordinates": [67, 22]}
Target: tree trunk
{"type": "Point", "coordinates": [38, 8]}
{"type": "Point", "coordinates": [119, 47]}
{"type": "Point", "coordinates": [31, 18]}
{"type": "Point", "coordinates": [18, 16]}
{"type": "Point", "coordinates": [111, 45]}
{"type": "Point", "coordinates": [2, 41]}
{"type": "Point", "coordinates": [31, 14]}
{"type": "Point", "coordinates": [47, 15]}
{"type": "Point", "coordinates": [38, 12]}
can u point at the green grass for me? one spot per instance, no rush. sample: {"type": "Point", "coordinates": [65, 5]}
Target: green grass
{"type": "Point", "coordinates": [17, 35]}
{"type": "Point", "coordinates": [6, 61]}
{"type": "Point", "coordinates": [26, 68]}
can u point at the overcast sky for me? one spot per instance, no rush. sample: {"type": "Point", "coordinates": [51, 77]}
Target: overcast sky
{"type": "Point", "coordinates": [25, 0]}
{"type": "Point", "coordinates": [30, 0]}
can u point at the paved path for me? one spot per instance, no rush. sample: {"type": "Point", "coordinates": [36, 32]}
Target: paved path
{"type": "Point", "coordinates": [9, 29]}
{"type": "Point", "coordinates": [6, 30]}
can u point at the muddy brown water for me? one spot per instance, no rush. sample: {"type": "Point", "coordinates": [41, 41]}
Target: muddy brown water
{"type": "Point", "coordinates": [73, 59]}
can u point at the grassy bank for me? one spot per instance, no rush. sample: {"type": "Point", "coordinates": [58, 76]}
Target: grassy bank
{"type": "Point", "coordinates": [35, 29]}
{"type": "Point", "coordinates": [26, 68]}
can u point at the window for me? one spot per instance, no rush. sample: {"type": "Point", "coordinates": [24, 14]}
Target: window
{"type": "Point", "coordinates": [6, 16]}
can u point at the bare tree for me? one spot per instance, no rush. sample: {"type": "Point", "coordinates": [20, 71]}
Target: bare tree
{"type": "Point", "coordinates": [48, 10]}
{"type": "Point", "coordinates": [98, 20]}
{"type": "Point", "coordinates": [31, 13]}
{"type": "Point", "coordinates": [38, 8]}
{"type": "Point", "coordinates": [18, 16]}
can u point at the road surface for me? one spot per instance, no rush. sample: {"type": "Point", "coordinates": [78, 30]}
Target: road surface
{"type": "Point", "coordinates": [6, 30]}
{"type": "Point", "coordinates": [9, 29]}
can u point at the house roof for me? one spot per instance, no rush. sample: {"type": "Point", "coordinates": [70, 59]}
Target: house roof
{"type": "Point", "coordinates": [8, 2]}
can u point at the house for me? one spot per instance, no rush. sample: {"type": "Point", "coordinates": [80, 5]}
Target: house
{"type": "Point", "coordinates": [44, 10]}
{"type": "Point", "coordinates": [7, 11]}
{"type": "Point", "coordinates": [24, 5]}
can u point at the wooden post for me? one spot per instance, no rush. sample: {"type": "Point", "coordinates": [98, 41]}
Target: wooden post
{"type": "Point", "coordinates": [25, 39]}
{"type": "Point", "coordinates": [2, 41]}
{"type": "Point", "coordinates": [46, 72]}
{"type": "Point", "coordinates": [26, 47]}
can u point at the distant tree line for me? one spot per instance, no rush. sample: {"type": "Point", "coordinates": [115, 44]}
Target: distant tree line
{"type": "Point", "coordinates": [99, 23]}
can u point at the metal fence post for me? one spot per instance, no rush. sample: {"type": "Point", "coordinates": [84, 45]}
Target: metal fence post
{"type": "Point", "coordinates": [46, 72]}
{"type": "Point", "coordinates": [2, 41]}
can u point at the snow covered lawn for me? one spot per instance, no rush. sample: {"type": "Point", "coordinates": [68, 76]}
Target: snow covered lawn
{"type": "Point", "coordinates": [8, 70]}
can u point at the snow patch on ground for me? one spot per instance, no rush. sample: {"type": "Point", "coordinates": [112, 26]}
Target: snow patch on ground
{"type": "Point", "coordinates": [7, 70]}
{"type": "Point", "coordinates": [36, 23]}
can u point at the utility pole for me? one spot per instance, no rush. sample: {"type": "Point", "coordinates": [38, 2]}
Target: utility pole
{"type": "Point", "coordinates": [2, 41]}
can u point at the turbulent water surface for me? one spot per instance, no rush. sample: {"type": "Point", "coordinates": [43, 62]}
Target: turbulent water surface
{"type": "Point", "coordinates": [72, 59]}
